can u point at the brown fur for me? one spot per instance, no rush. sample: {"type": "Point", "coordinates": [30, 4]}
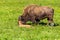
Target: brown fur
{"type": "Point", "coordinates": [36, 13]}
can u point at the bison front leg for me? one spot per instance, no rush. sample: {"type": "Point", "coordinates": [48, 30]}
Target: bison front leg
{"type": "Point", "coordinates": [33, 20]}
{"type": "Point", "coordinates": [37, 20]}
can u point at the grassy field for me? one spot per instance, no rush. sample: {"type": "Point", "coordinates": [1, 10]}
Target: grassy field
{"type": "Point", "coordinates": [9, 29]}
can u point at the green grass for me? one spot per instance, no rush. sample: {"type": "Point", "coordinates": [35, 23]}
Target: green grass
{"type": "Point", "coordinates": [9, 29]}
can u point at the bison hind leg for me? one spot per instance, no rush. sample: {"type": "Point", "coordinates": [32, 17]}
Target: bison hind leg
{"type": "Point", "coordinates": [50, 22]}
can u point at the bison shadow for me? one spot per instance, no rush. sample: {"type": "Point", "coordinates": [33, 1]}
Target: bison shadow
{"type": "Point", "coordinates": [42, 23]}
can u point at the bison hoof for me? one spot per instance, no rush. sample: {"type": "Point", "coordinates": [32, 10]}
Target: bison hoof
{"type": "Point", "coordinates": [51, 24]}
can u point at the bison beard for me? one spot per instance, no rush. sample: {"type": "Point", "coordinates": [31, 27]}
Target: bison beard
{"type": "Point", "coordinates": [36, 13]}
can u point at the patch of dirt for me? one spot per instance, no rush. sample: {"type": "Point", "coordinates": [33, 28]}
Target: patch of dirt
{"type": "Point", "coordinates": [23, 25]}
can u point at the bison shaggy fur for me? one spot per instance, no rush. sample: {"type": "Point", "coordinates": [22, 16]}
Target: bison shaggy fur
{"type": "Point", "coordinates": [35, 13]}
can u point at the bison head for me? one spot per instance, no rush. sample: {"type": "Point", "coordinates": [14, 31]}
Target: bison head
{"type": "Point", "coordinates": [21, 19]}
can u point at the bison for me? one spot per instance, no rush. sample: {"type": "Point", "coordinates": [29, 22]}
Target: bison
{"type": "Point", "coordinates": [35, 13]}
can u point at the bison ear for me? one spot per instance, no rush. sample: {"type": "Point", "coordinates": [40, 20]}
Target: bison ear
{"type": "Point", "coordinates": [20, 16]}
